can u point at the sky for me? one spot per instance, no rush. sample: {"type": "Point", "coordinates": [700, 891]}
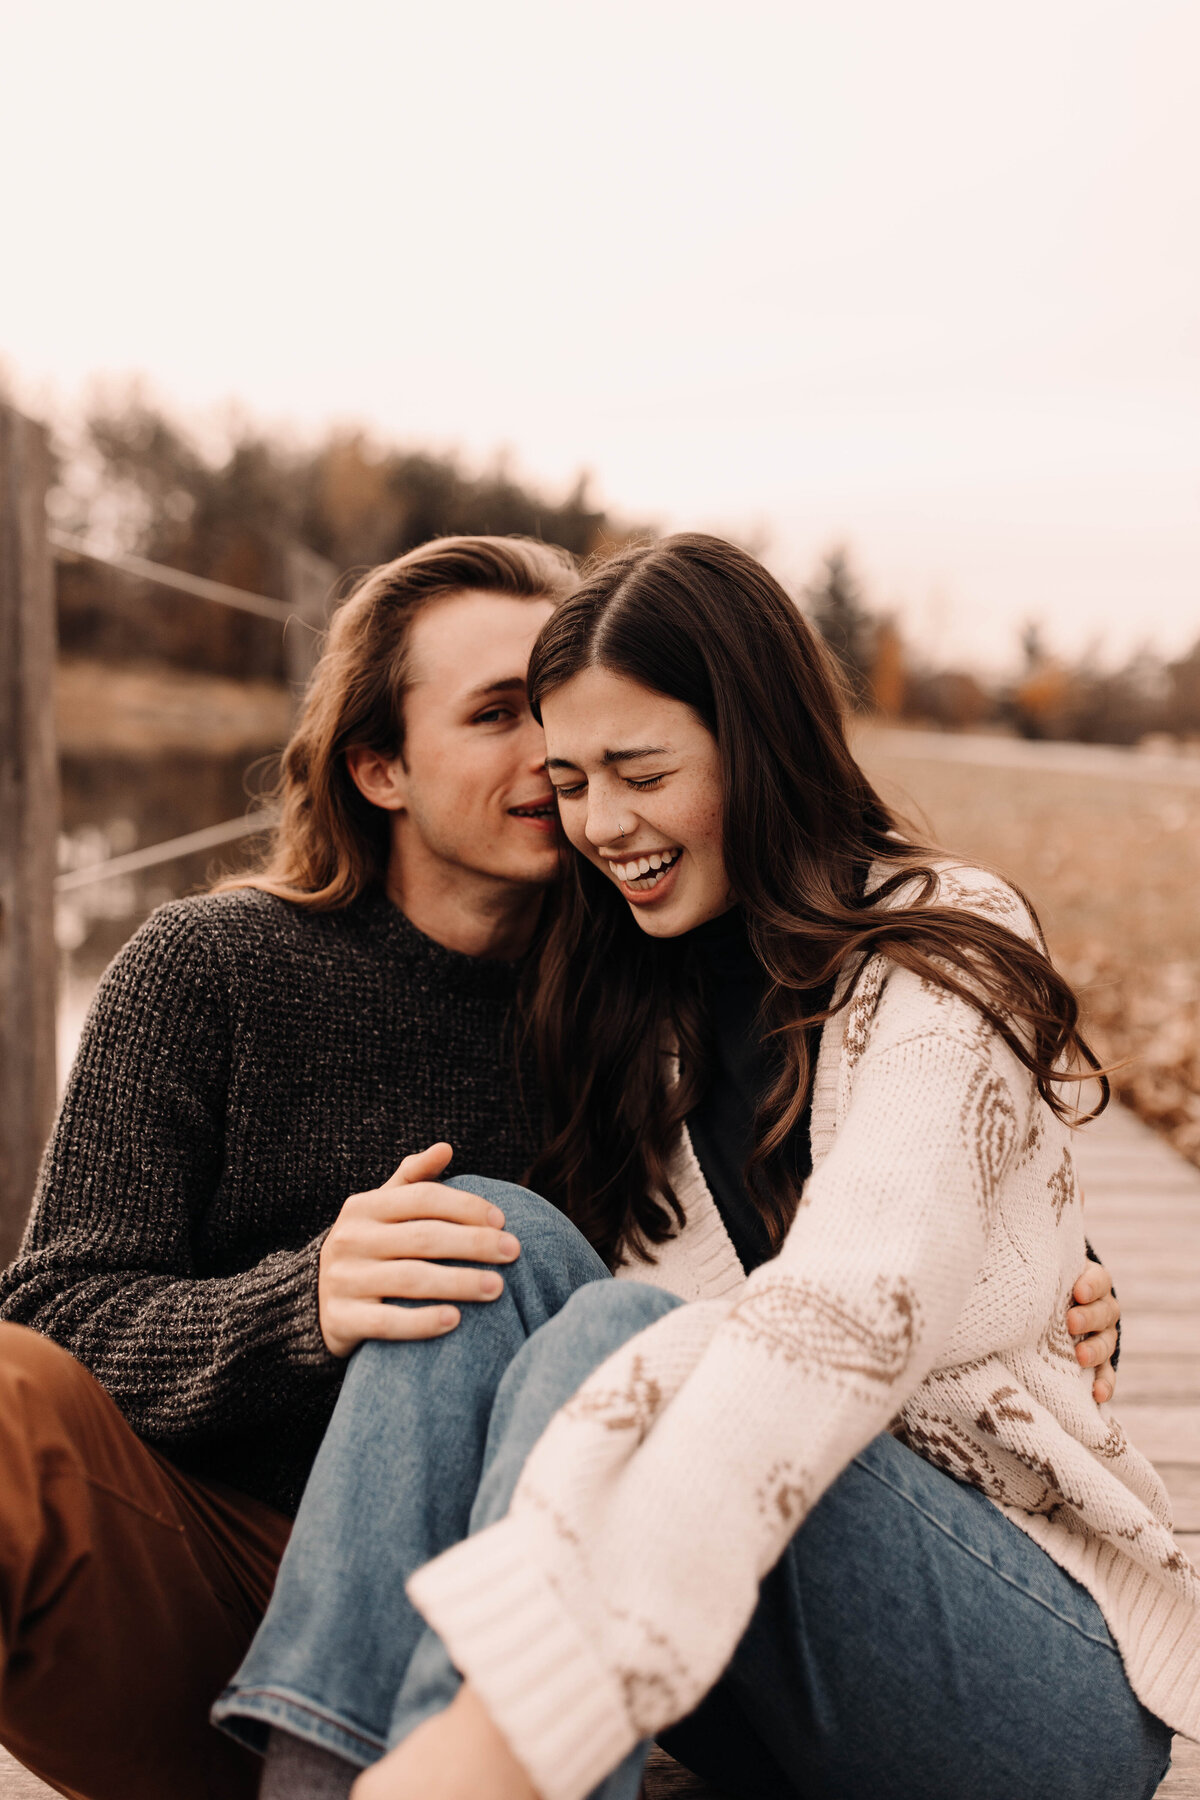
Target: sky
{"type": "Point", "coordinates": [922, 279]}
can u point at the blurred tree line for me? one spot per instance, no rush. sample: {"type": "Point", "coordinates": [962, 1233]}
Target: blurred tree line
{"type": "Point", "coordinates": [1050, 697]}
{"type": "Point", "coordinates": [136, 479]}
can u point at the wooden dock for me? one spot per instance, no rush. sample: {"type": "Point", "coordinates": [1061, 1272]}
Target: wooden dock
{"type": "Point", "coordinates": [1143, 1216]}
{"type": "Point", "coordinates": [1142, 1206]}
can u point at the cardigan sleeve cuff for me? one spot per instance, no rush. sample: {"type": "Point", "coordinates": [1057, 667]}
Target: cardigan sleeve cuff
{"type": "Point", "coordinates": [508, 1632]}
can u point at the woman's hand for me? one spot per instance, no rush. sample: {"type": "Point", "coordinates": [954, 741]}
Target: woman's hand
{"type": "Point", "coordinates": [456, 1755]}
{"type": "Point", "coordinates": [392, 1244]}
{"type": "Point", "coordinates": [1092, 1317]}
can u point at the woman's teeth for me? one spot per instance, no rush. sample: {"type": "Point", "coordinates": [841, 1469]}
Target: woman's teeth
{"type": "Point", "coordinates": [644, 872]}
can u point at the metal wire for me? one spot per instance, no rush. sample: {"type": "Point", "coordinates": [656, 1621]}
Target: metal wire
{"type": "Point", "coordinates": [165, 576]}
{"type": "Point", "coordinates": [206, 839]}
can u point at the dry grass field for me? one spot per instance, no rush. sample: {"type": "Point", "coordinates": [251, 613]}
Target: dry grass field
{"type": "Point", "coordinates": [1113, 867]}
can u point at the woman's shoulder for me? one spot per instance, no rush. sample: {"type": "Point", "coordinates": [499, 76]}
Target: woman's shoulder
{"type": "Point", "coordinates": [889, 1002]}
{"type": "Point", "coordinates": [961, 886]}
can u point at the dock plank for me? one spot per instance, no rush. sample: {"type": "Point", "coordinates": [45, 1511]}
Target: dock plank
{"type": "Point", "coordinates": [1142, 1209]}
{"type": "Point", "coordinates": [17, 1783]}
{"type": "Point", "coordinates": [1183, 1782]}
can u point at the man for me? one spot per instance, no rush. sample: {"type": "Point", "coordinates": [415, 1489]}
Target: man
{"type": "Point", "coordinates": [210, 1238]}
{"type": "Point", "coordinates": [215, 1229]}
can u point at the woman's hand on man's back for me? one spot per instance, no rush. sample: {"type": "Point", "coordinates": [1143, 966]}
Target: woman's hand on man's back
{"type": "Point", "coordinates": [395, 1242]}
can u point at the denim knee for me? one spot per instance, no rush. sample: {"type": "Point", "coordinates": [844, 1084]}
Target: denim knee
{"type": "Point", "coordinates": [606, 1314]}
{"type": "Point", "coordinates": [543, 1232]}
{"type": "Point", "coordinates": [489, 1188]}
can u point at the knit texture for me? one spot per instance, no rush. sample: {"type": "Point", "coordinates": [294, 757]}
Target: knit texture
{"type": "Point", "coordinates": [921, 1288]}
{"type": "Point", "coordinates": [245, 1067]}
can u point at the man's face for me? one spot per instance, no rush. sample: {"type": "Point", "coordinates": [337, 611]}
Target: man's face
{"type": "Point", "coordinates": [476, 798]}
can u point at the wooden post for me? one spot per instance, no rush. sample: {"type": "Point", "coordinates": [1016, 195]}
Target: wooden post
{"type": "Point", "coordinates": [308, 589]}
{"type": "Point", "coordinates": [28, 820]}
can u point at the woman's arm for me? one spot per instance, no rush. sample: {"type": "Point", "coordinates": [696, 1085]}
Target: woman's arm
{"type": "Point", "coordinates": [106, 1267]}
{"type": "Point", "coordinates": [660, 1496]}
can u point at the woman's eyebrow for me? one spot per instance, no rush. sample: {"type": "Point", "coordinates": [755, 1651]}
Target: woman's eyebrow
{"type": "Point", "coordinates": [609, 757]}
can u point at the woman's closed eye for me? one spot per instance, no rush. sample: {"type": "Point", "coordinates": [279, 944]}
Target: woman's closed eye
{"type": "Point", "coordinates": [643, 783]}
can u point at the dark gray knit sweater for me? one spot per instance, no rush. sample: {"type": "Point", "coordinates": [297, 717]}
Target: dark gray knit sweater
{"type": "Point", "coordinates": [245, 1066]}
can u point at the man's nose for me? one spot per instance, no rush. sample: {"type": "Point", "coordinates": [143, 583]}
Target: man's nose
{"type": "Point", "coordinates": [535, 745]}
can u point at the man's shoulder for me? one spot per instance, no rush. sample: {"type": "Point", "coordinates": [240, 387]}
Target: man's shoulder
{"type": "Point", "coordinates": [220, 934]}
{"type": "Point", "coordinates": [245, 914]}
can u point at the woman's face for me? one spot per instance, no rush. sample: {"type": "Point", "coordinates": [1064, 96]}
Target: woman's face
{"type": "Point", "coordinates": [638, 782]}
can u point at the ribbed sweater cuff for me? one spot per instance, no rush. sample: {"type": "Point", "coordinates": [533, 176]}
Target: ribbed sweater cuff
{"type": "Point", "coordinates": [508, 1633]}
{"type": "Point", "coordinates": [299, 1298]}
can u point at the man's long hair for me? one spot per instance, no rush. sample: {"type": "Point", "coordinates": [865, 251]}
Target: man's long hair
{"type": "Point", "coordinates": [330, 842]}
{"type": "Point", "coordinates": [701, 621]}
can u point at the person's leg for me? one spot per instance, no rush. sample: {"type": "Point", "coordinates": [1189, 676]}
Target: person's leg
{"type": "Point", "coordinates": [913, 1642]}
{"type": "Point", "coordinates": [541, 1379]}
{"type": "Point", "coordinates": [128, 1592]}
{"type": "Point", "coordinates": [393, 1484]}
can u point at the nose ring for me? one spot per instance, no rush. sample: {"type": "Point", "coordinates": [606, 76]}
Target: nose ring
{"type": "Point", "coordinates": [624, 833]}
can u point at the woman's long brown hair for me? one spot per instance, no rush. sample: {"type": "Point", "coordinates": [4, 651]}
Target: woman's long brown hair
{"type": "Point", "coordinates": [697, 619]}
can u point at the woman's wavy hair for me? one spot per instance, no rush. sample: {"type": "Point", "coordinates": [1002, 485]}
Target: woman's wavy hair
{"type": "Point", "coordinates": [330, 842]}
{"type": "Point", "coordinates": [699, 620]}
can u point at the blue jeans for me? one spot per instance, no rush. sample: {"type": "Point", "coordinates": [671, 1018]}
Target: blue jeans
{"type": "Point", "coordinates": [910, 1641]}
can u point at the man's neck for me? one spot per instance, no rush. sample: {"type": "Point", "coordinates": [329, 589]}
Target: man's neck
{"type": "Point", "coordinates": [477, 915]}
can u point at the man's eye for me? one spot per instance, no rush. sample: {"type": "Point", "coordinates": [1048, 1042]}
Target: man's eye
{"type": "Point", "coordinates": [492, 716]}
{"type": "Point", "coordinates": [647, 781]}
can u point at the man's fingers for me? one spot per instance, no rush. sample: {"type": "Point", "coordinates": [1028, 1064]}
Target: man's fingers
{"type": "Point", "coordinates": [1099, 1316]}
{"type": "Point", "coordinates": [422, 1165]}
{"type": "Point", "coordinates": [347, 1323]}
{"type": "Point", "coordinates": [1093, 1282]}
{"type": "Point", "coordinates": [430, 1200]}
{"type": "Point", "coordinates": [1096, 1349]}
{"type": "Point", "coordinates": [434, 1240]}
{"type": "Point", "coordinates": [1105, 1384]}
{"type": "Point", "coordinates": [430, 1281]}
{"type": "Point", "coordinates": [403, 1324]}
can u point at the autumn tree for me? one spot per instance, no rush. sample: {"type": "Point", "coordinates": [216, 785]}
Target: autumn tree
{"type": "Point", "coordinates": [837, 607]}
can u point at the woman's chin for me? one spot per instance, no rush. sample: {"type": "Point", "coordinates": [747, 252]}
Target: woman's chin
{"type": "Point", "coordinates": [671, 921]}
{"type": "Point", "coordinates": [677, 915]}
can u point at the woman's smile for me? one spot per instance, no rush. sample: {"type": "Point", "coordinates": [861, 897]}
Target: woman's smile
{"type": "Point", "coordinates": [644, 877]}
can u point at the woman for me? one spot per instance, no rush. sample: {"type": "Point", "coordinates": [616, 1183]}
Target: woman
{"type": "Point", "coordinates": [725, 1485]}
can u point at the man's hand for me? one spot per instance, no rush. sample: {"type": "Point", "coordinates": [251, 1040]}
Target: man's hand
{"type": "Point", "coordinates": [392, 1242]}
{"type": "Point", "coordinates": [1093, 1318]}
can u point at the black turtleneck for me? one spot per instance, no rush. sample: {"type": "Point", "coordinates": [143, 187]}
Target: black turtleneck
{"type": "Point", "coordinates": [743, 1068]}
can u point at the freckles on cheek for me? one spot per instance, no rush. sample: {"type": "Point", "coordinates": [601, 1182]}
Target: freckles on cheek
{"type": "Point", "coordinates": [701, 826]}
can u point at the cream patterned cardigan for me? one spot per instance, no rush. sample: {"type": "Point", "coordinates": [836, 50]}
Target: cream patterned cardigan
{"type": "Point", "coordinates": [922, 1288]}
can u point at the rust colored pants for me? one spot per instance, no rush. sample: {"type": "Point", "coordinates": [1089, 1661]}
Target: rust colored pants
{"type": "Point", "coordinates": [128, 1594]}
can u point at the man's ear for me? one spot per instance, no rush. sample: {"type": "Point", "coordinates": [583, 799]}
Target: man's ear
{"type": "Point", "coordinates": [383, 780]}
